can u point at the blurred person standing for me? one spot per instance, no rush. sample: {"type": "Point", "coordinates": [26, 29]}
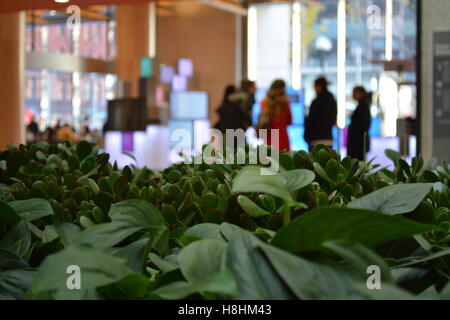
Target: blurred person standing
{"type": "Point", "coordinates": [32, 131]}
{"type": "Point", "coordinates": [277, 109]}
{"type": "Point", "coordinates": [49, 135]}
{"type": "Point", "coordinates": [231, 115]}
{"type": "Point", "coordinates": [322, 116]}
{"type": "Point", "coordinates": [248, 89]}
{"type": "Point", "coordinates": [66, 133]}
{"type": "Point", "coordinates": [358, 132]}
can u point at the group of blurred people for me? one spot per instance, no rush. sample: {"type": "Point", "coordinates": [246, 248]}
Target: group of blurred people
{"type": "Point", "coordinates": [235, 112]}
{"type": "Point", "coordinates": [61, 132]}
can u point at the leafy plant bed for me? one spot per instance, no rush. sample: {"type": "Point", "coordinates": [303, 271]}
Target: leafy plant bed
{"type": "Point", "coordinates": [73, 226]}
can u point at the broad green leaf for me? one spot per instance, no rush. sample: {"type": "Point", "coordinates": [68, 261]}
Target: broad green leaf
{"type": "Point", "coordinates": [387, 292]}
{"type": "Point", "coordinates": [419, 260]}
{"type": "Point", "coordinates": [136, 212]}
{"type": "Point", "coordinates": [127, 217]}
{"type": "Point", "coordinates": [221, 283]}
{"type": "Point", "coordinates": [67, 231]}
{"type": "Point", "coordinates": [14, 284]}
{"type": "Point", "coordinates": [429, 294]}
{"type": "Point", "coordinates": [359, 258]}
{"type": "Point", "coordinates": [229, 231]}
{"type": "Point", "coordinates": [84, 149]}
{"type": "Point", "coordinates": [310, 280]}
{"type": "Point", "coordinates": [297, 179]}
{"type": "Point", "coordinates": [7, 215]}
{"type": "Point", "coordinates": [393, 155]}
{"type": "Point", "coordinates": [255, 276]}
{"type": "Point", "coordinates": [249, 179]}
{"type": "Point", "coordinates": [202, 259]}
{"type": "Point", "coordinates": [133, 254]}
{"type": "Point", "coordinates": [201, 231]}
{"type": "Point", "coordinates": [10, 261]}
{"type": "Point", "coordinates": [17, 239]}
{"type": "Point", "coordinates": [395, 199]}
{"type": "Point", "coordinates": [445, 293]}
{"type": "Point", "coordinates": [96, 269]}
{"type": "Point", "coordinates": [309, 231]}
{"type": "Point", "coordinates": [251, 208]}
{"type": "Point", "coordinates": [31, 209]}
{"type": "Point", "coordinates": [132, 287]}
{"type": "Point", "coordinates": [162, 264]}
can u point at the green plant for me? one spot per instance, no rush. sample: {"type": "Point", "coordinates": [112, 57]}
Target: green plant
{"type": "Point", "coordinates": [216, 231]}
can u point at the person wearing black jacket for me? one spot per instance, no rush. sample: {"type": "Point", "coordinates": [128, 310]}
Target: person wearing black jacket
{"type": "Point", "coordinates": [322, 116]}
{"type": "Point", "coordinates": [231, 114]}
{"type": "Point", "coordinates": [358, 131]}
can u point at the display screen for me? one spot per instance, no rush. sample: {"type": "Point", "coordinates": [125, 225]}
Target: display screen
{"type": "Point", "coordinates": [181, 133]}
{"type": "Point", "coordinates": [179, 83]}
{"type": "Point", "coordinates": [185, 67]}
{"type": "Point", "coordinates": [166, 74]}
{"type": "Point", "coordinates": [189, 105]}
{"type": "Point", "coordinates": [146, 67]}
{"type": "Point", "coordinates": [127, 115]}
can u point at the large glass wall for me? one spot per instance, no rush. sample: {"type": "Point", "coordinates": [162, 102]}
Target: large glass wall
{"type": "Point", "coordinates": [75, 98]}
{"type": "Point", "coordinates": [352, 42]}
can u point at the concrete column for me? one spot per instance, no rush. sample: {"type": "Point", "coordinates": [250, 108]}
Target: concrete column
{"type": "Point", "coordinates": [434, 19]}
{"type": "Point", "coordinates": [133, 41]}
{"type": "Point", "coordinates": [12, 74]}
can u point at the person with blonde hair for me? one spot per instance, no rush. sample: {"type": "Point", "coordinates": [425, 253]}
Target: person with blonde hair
{"type": "Point", "coordinates": [277, 109]}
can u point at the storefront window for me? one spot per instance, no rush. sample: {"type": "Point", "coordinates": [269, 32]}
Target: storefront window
{"type": "Point", "coordinates": [374, 32]}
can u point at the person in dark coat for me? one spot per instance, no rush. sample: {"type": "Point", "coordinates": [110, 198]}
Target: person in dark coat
{"type": "Point", "coordinates": [358, 131]}
{"type": "Point", "coordinates": [322, 116]}
{"type": "Point", "coordinates": [231, 114]}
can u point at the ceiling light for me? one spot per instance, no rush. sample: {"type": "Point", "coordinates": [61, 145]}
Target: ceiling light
{"type": "Point", "coordinates": [62, 1]}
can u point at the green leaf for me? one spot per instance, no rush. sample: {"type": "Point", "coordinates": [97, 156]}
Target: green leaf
{"type": "Point", "coordinates": [127, 217]}
{"type": "Point", "coordinates": [310, 280]}
{"type": "Point", "coordinates": [321, 172]}
{"type": "Point", "coordinates": [255, 276]}
{"type": "Point", "coordinates": [67, 231]}
{"type": "Point", "coordinates": [419, 260]}
{"type": "Point", "coordinates": [309, 231]}
{"type": "Point", "coordinates": [14, 284]}
{"type": "Point", "coordinates": [201, 231]}
{"type": "Point", "coordinates": [17, 239]}
{"type": "Point", "coordinates": [297, 179]}
{"type": "Point", "coordinates": [10, 261]}
{"type": "Point", "coordinates": [96, 269]}
{"type": "Point", "coordinates": [221, 283]}
{"type": "Point", "coordinates": [132, 287]}
{"type": "Point", "coordinates": [31, 209]}
{"type": "Point", "coordinates": [249, 179]}
{"type": "Point", "coordinates": [7, 215]}
{"type": "Point", "coordinates": [393, 155]}
{"type": "Point", "coordinates": [395, 199]}
{"type": "Point", "coordinates": [387, 292]}
{"type": "Point", "coordinates": [251, 208]}
{"type": "Point", "coordinates": [202, 259]}
{"type": "Point", "coordinates": [133, 254]}
{"type": "Point", "coordinates": [84, 149]}
{"type": "Point", "coordinates": [359, 258]}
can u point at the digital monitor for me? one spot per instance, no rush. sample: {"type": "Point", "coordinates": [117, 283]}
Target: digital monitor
{"type": "Point", "coordinates": [146, 67]}
{"type": "Point", "coordinates": [186, 67]}
{"type": "Point", "coordinates": [189, 105]}
{"type": "Point", "coordinates": [181, 133]}
{"type": "Point", "coordinates": [179, 83]}
{"type": "Point", "coordinates": [127, 115]}
{"type": "Point", "coordinates": [166, 74]}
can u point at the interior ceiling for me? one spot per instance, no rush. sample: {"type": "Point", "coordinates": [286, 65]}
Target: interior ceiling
{"type": "Point", "coordinates": [18, 5]}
